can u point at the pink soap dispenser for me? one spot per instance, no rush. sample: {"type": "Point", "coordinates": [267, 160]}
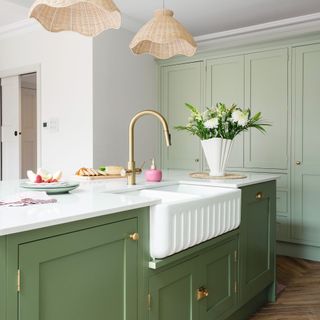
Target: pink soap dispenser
{"type": "Point", "coordinates": [153, 174]}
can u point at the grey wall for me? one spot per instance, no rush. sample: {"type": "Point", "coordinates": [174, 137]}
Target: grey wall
{"type": "Point", "coordinates": [123, 84]}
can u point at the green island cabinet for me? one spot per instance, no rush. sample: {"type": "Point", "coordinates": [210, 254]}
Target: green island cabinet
{"type": "Point", "coordinates": [95, 269]}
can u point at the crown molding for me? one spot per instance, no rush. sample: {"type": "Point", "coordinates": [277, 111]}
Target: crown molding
{"type": "Point", "coordinates": [257, 33]}
{"type": "Point", "coordinates": [269, 31]}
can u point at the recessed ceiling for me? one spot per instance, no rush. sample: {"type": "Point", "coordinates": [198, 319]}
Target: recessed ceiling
{"type": "Point", "coordinates": [209, 16]}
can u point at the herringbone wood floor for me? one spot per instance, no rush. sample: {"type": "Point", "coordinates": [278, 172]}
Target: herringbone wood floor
{"type": "Point", "coordinates": [301, 298]}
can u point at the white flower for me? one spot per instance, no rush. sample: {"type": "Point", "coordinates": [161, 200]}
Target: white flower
{"type": "Point", "coordinates": [212, 123]}
{"type": "Point", "coordinates": [236, 115]}
{"type": "Point", "coordinates": [240, 117]}
{"type": "Point", "coordinates": [206, 115]}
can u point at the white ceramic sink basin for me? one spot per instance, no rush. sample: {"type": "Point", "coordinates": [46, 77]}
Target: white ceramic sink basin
{"type": "Point", "coordinates": [189, 215]}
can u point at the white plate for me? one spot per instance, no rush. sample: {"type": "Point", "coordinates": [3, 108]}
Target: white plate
{"type": "Point", "coordinates": [51, 188]}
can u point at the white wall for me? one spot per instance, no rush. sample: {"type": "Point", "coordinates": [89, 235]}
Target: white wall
{"type": "Point", "coordinates": [123, 85]}
{"type": "Point", "coordinates": [66, 92]}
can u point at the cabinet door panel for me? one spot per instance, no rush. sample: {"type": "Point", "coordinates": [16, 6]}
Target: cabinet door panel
{"type": "Point", "coordinates": [173, 294]}
{"type": "Point", "coordinates": [266, 82]}
{"type": "Point", "coordinates": [181, 84]}
{"type": "Point", "coordinates": [90, 274]}
{"type": "Point", "coordinates": [225, 83]}
{"type": "Point", "coordinates": [306, 176]}
{"type": "Point", "coordinates": [220, 274]}
{"type": "Point", "coordinates": [257, 238]}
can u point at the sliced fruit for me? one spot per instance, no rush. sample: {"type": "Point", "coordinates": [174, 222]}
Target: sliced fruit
{"type": "Point", "coordinates": [57, 175]}
{"type": "Point", "coordinates": [31, 175]}
{"type": "Point", "coordinates": [38, 179]}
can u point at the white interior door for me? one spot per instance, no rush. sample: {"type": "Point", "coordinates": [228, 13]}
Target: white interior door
{"type": "Point", "coordinates": [29, 130]}
{"type": "Point", "coordinates": [10, 130]}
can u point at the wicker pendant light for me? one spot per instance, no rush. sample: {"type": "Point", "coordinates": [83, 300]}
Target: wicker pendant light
{"type": "Point", "coordinates": [88, 17]}
{"type": "Point", "coordinates": [163, 37]}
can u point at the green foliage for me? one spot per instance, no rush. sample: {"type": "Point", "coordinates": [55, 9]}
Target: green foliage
{"type": "Point", "coordinates": [221, 122]}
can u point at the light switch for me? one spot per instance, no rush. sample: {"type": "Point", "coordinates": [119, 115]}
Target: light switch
{"type": "Point", "coordinates": [54, 125]}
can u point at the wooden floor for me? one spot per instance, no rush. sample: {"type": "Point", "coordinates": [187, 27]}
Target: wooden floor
{"type": "Point", "coordinates": [300, 300]}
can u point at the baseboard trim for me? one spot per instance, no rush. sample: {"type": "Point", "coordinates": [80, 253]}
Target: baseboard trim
{"type": "Point", "coordinates": [298, 251]}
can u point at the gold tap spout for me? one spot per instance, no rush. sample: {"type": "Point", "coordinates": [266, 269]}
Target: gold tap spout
{"type": "Point", "coordinates": [131, 163]}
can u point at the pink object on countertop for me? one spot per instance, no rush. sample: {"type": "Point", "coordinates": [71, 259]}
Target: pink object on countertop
{"type": "Point", "coordinates": [153, 174]}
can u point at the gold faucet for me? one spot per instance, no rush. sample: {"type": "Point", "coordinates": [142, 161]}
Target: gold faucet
{"type": "Point", "coordinates": [131, 163]}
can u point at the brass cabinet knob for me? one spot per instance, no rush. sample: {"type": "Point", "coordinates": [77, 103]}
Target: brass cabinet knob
{"type": "Point", "coordinates": [134, 236]}
{"type": "Point", "coordinates": [259, 195]}
{"type": "Point", "coordinates": [202, 293]}
{"type": "Point", "coordinates": [298, 163]}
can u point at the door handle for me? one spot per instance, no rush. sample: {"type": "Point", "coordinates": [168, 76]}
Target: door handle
{"type": "Point", "coordinates": [298, 163]}
{"type": "Point", "coordinates": [202, 293]}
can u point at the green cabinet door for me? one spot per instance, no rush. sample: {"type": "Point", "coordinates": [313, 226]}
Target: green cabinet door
{"type": "Point", "coordinates": [219, 271]}
{"type": "Point", "coordinates": [306, 159]}
{"type": "Point", "coordinates": [257, 238]}
{"type": "Point", "coordinates": [180, 84]}
{"type": "Point", "coordinates": [89, 274]}
{"type": "Point", "coordinates": [173, 293]}
{"type": "Point", "coordinates": [225, 83]}
{"type": "Point", "coordinates": [266, 91]}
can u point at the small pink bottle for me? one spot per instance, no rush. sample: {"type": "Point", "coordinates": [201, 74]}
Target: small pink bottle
{"type": "Point", "coordinates": [153, 174]}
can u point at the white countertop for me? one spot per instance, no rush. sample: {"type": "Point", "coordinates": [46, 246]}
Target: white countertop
{"type": "Point", "coordinates": [93, 199]}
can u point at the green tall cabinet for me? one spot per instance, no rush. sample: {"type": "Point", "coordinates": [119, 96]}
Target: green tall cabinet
{"type": "Point", "coordinates": [259, 80]}
{"type": "Point", "coordinates": [180, 84]}
{"type": "Point", "coordinates": [266, 91]}
{"type": "Point", "coordinates": [225, 83]}
{"type": "Point", "coordinates": [306, 157]}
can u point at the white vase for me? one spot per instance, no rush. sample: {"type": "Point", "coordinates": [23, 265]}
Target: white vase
{"type": "Point", "coordinates": [217, 152]}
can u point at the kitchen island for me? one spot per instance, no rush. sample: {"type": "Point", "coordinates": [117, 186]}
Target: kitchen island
{"type": "Point", "coordinates": [87, 257]}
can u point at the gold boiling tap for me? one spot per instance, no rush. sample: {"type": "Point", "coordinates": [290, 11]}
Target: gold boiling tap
{"type": "Point", "coordinates": [131, 163]}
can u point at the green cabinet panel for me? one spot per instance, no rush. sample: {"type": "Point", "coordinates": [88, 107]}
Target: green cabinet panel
{"type": "Point", "coordinates": [88, 274]}
{"type": "Point", "coordinates": [219, 270]}
{"type": "Point", "coordinates": [306, 159]}
{"type": "Point", "coordinates": [283, 228]}
{"type": "Point", "coordinates": [225, 83]}
{"type": "Point", "coordinates": [173, 293]}
{"type": "Point", "coordinates": [266, 91]}
{"type": "Point", "coordinates": [180, 84]}
{"type": "Point", "coordinates": [257, 238]}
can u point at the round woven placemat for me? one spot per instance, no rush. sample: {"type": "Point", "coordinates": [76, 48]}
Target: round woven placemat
{"type": "Point", "coordinates": [227, 176]}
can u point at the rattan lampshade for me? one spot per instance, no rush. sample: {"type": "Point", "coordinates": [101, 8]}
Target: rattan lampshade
{"type": "Point", "coordinates": [163, 37]}
{"type": "Point", "coordinates": [88, 17]}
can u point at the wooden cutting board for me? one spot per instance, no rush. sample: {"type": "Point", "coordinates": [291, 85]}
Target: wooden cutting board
{"type": "Point", "coordinates": [86, 178]}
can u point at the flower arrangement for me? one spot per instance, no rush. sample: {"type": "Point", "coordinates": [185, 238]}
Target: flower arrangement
{"type": "Point", "coordinates": [221, 122]}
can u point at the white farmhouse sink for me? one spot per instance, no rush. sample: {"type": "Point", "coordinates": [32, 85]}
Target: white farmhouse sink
{"type": "Point", "coordinates": [189, 215]}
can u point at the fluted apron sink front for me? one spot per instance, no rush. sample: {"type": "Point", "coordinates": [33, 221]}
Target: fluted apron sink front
{"type": "Point", "coordinates": [189, 215]}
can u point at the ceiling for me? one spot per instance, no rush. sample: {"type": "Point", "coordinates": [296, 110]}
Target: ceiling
{"type": "Point", "coordinates": [11, 12]}
{"type": "Point", "coordinates": [205, 16]}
